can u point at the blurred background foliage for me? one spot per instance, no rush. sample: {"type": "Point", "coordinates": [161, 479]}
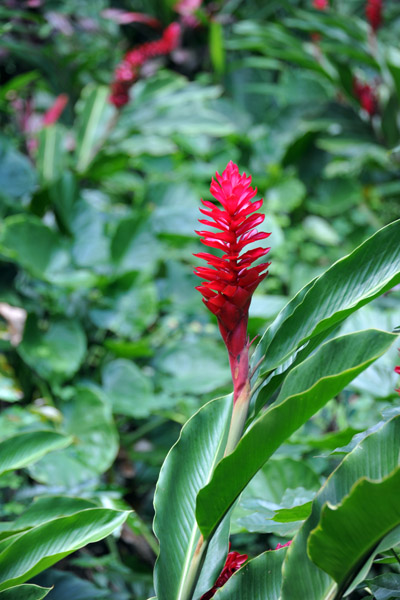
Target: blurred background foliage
{"type": "Point", "coordinates": [102, 334]}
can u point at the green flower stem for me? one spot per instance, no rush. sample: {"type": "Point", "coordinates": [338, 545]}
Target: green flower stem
{"type": "Point", "coordinates": [239, 416]}
{"type": "Point", "coordinates": [194, 570]}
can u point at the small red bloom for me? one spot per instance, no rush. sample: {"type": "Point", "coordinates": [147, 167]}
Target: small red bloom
{"type": "Point", "coordinates": [373, 11]}
{"type": "Point", "coordinates": [228, 286]}
{"type": "Point", "coordinates": [54, 112]}
{"type": "Point", "coordinates": [127, 71]}
{"type": "Point", "coordinates": [366, 95]}
{"type": "Point", "coordinates": [397, 371]}
{"type": "Point", "coordinates": [320, 4]}
{"type": "Point", "coordinates": [234, 561]}
{"type": "Point", "coordinates": [279, 546]}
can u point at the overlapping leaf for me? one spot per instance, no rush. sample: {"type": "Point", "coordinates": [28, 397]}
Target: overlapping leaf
{"type": "Point", "coordinates": [44, 545]}
{"type": "Point", "coordinates": [376, 457]}
{"type": "Point", "coordinates": [307, 388]}
{"type": "Point", "coordinates": [186, 470]}
{"type": "Point", "coordinates": [370, 270]}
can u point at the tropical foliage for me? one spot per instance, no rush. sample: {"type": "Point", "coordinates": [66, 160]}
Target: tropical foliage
{"type": "Point", "coordinates": [115, 384]}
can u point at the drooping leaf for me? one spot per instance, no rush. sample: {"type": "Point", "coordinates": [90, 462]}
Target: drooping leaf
{"type": "Point", "coordinates": [24, 449]}
{"type": "Point", "coordinates": [44, 545]}
{"type": "Point", "coordinates": [186, 469]}
{"type": "Point", "coordinates": [307, 388]}
{"type": "Point", "coordinates": [45, 509]}
{"type": "Point", "coordinates": [348, 532]}
{"type": "Point", "coordinates": [375, 457]}
{"type": "Point", "coordinates": [24, 592]}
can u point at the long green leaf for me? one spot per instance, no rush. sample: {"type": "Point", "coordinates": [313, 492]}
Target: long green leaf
{"type": "Point", "coordinates": [92, 123]}
{"type": "Point", "coordinates": [24, 449]}
{"type": "Point", "coordinates": [24, 592]}
{"type": "Point", "coordinates": [187, 468]}
{"type": "Point", "coordinates": [51, 158]}
{"type": "Point", "coordinates": [348, 532]}
{"type": "Point", "coordinates": [375, 457]}
{"type": "Point", "coordinates": [259, 579]}
{"type": "Point", "coordinates": [44, 545]}
{"type": "Point", "coordinates": [45, 509]}
{"type": "Point", "coordinates": [307, 388]}
{"type": "Point", "coordinates": [370, 270]}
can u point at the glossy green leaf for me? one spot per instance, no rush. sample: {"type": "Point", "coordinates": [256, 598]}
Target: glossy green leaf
{"type": "Point", "coordinates": [54, 353]}
{"type": "Point", "coordinates": [27, 241]}
{"type": "Point", "coordinates": [374, 458]}
{"type": "Point", "coordinates": [370, 270]}
{"type": "Point", "coordinates": [24, 592]}
{"type": "Point", "coordinates": [306, 389]}
{"type": "Point", "coordinates": [24, 449]}
{"type": "Point", "coordinates": [45, 509]}
{"type": "Point", "coordinates": [259, 579]}
{"type": "Point", "coordinates": [51, 157]}
{"type": "Point", "coordinates": [95, 113]}
{"type": "Point", "coordinates": [186, 470]}
{"type": "Point", "coordinates": [88, 418]}
{"type": "Point", "coordinates": [44, 545]}
{"type": "Point", "coordinates": [348, 532]}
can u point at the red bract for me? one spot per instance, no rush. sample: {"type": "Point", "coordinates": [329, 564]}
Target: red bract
{"type": "Point", "coordinates": [373, 11]}
{"type": "Point", "coordinates": [228, 286]}
{"type": "Point", "coordinates": [366, 95]}
{"type": "Point", "coordinates": [234, 561]}
{"type": "Point", "coordinates": [127, 71]}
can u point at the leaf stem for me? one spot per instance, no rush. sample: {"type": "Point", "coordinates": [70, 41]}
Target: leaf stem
{"type": "Point", "coordinates": [397, 557]}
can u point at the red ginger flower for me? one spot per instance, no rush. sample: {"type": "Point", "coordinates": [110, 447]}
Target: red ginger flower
{"type": "Point", "coordinates": [234, 561]}
{"type": "Point", "coordinates": [373, 11]}
{"type": "Point", "coordinates": [229, 285]}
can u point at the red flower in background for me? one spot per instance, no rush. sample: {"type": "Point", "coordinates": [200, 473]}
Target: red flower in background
{"type": "Point", "coordinates": [397, 370]}
{"type": "Point", "coordinates": [366, 95]}
{"type": "Point", "coordinates": [230, 282]}
{"type": "Point", "coordinates": [279, 546]}
{"type": "Point", "coordinates": [320, 4]}
{"type": "Point", "coordinates": [233, 562]}
{"type": "Point", "coordinates": [127, 71]}
{"type": "Point", "coordinates": [55, 111]}
{"type": "Point", "coordinates": [373, 11]}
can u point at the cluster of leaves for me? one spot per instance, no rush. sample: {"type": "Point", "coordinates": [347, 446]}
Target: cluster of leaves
{"type": "Point", "coordinates": [96, 242]}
